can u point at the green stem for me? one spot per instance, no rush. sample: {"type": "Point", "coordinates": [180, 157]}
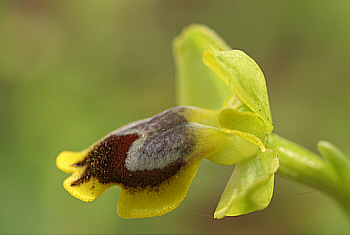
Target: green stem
{"type": "Point", "coordinates": [330, 174]}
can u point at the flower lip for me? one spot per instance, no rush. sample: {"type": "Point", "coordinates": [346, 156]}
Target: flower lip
{"type": "Point", "coordinates": [145, 154]}
{"type": "Point", "coordinates": [106, 162]}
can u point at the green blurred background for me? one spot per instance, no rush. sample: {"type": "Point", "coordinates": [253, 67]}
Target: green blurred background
{"type": "Point", "coordinates": [72, 71]}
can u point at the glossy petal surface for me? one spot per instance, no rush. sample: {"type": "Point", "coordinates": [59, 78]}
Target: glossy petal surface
{"type": "Point", "coordinates": [250, 187]}
{"type": "Point", "coordinates": [244, 77]}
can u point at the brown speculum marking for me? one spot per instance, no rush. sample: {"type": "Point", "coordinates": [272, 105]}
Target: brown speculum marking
{"type": "Point", "coordinates": [106, 163]}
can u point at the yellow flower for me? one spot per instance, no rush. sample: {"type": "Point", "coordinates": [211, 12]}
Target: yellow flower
{"type": "Point", "coordinates": [153, 160]}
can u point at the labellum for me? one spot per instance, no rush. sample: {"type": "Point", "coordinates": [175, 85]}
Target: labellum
{"type": "Point", "coordinates": [153, 160]}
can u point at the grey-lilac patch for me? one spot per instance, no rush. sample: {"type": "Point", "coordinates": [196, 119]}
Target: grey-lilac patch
{"type": "Point", "coordinates": [167, 137]}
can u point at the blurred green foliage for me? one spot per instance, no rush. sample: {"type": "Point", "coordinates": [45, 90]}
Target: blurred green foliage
{"type": "Point", "coordinates": [72, 71]}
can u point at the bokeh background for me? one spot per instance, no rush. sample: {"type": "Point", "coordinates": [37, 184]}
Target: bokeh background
{"type": "Point", "coordinates": [72, 71]}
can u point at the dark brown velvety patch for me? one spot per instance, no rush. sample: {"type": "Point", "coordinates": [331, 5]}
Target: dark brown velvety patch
{"type": "Point", "coordinates": [106, 162]}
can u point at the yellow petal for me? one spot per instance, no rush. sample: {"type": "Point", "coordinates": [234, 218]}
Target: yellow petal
{"type": "Point", "coordinates": [87, 191]}
{"type": "Point", "coordinates": [65, 161]}
{"type": "Point", "coordinates": [142, 203]}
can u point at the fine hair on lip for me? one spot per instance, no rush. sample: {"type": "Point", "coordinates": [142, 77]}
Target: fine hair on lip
{"type": "Point", "coordinates": [151, 153]}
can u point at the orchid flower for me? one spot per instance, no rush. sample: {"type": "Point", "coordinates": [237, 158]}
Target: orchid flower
{"type": "Point", "coordinates": [223, 116]}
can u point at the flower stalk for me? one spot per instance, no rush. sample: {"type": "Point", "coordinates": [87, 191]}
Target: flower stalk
{"type": "Point", "coordinates": [329, 172]}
